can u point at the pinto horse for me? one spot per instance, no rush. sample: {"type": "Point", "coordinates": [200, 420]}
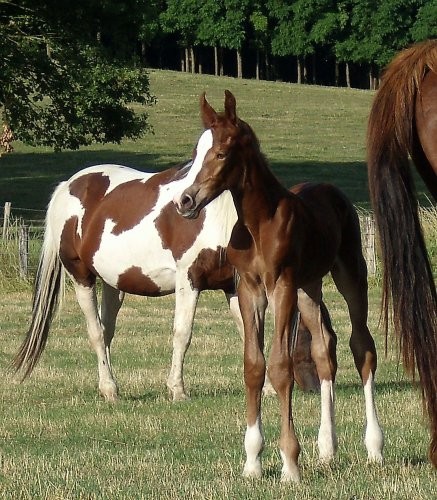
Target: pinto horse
{"type": "Point", "coordinates": [120, 225]}
{"type": "Point", "coordinates": [281, 246]}
{"type": "Point", "coordinates": [403, 122]}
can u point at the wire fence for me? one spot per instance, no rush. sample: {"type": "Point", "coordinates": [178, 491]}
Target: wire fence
{"type": "Point", "coordinates": [23, 232]}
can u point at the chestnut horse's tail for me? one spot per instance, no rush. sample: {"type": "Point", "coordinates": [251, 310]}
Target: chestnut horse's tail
{"type": "Point", "coordinates": [408, 282]}
{"type": "Point", "coordinates": [47, 292]}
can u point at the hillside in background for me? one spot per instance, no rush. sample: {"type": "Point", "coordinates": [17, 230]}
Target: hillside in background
{"type": "Point", "coordinates": [307, 133]}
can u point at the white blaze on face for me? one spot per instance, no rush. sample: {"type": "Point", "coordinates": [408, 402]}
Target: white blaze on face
{"type": "Point", "coordinates": [203, 146]}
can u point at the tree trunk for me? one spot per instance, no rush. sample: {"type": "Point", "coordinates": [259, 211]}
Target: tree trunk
{"type": "Point", "coordinates": [337, 73]}
{"type": "Point", "coordinates": [299, 70]}
{"type": "Point", "coordinates": [267, 65]}
{"type": "Point", "coordinates": [314, 68]}
{"type": "Point", "coordinates": [305, 72]}
{"type": "Point", "coordinates": [182, 60]}
{"type": "Point", "coordinates": [216, 62]}
{"type": "Point", "coordinates": [199, 63]}
{"type": "Point", "coordinates": [143, 53]}
{"type": "Point", "coordinates": [221, 70]}
{"type": "Point", "coordinates": [193, 60]}
{"type": "Point", "coordinates": [239, 65]}
{"type": "Point", "coordinates": [187, 60]}
{"type": "Point", "coordinates": [257, 65]}
{"type": "Point", "coordinates": [348, 76]}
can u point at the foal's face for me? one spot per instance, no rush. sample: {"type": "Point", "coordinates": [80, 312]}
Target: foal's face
{"type": "Point", "coordinates": [218, 171]}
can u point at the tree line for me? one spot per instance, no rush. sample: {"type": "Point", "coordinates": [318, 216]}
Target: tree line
{"type": "Point", "coordinates": [69, 70]}
{"type": "Point", "coordinates": [306, 41]}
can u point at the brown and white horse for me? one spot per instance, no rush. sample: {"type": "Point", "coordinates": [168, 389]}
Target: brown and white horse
{"type": "Point", "coordinates": [281, 246]}
{"type": "Point", "coordinates": [120, 225]}
{"type": "Point", "coordinates": [403, 123]}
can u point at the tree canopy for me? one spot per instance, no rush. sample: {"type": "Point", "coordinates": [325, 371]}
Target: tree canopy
{"type": "Point", "coordinates": [70, 71]}
{"type": "Point", "coordinates": [62, 82]}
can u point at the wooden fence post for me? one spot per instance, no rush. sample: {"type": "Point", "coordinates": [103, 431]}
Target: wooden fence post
{"type": "Point", "coordinates": [369, 243]}
{"type": "Point", "coordinates": [23, 250]}
{"type": "Point", "coordinates": [6, 217]}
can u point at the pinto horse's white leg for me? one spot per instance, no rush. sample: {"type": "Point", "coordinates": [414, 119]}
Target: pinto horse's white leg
{"type": "Point", "coordinates": [185, 307]}
{"type": "Point", "coordinates": [327, 439]}
{"type": "Point", "coordinates": [87, 299]}
{"type": "Point", "coordinates": [112, 299]}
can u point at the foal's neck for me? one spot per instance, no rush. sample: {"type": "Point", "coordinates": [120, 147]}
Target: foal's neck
{"type": "Point", "coordinates": [258, 194]}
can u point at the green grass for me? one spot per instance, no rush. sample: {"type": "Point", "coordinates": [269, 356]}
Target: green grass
{"type": "Point", "coordinates": [59, 440]}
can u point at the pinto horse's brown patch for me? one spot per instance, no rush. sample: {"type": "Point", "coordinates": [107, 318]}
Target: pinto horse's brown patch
{"type": "Point", "coordinates": [70, 244]}
{"type": "Point", "coordinates": [211, 271]}
{"type": "Point", "coordinates": [182, 239]}
{"type": "Point", "coordinates": [134, 281]}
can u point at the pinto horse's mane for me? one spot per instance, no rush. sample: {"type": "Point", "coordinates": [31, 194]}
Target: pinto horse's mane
{"type": "Point", "coordinates": [182, 170]}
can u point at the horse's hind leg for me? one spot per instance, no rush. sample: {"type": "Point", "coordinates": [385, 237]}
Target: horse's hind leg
{"type": "Point", "coordinates": [87, 299]}
{"type": "Point", "coordinates": [323, 352]}
{"type": "Point", "coordinates": [185, 307]}
{"type": "Point", "coordinates": [350, 277]}
{"type": "Point", "coordinates": [112, 299]}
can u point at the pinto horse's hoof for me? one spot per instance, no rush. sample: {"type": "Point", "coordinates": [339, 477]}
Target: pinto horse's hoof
{"type": "Point", "coordinates": [109, 392]}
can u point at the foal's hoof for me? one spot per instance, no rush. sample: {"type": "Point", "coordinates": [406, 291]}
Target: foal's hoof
{"type": "Point", "coordinates": [375, 458]}
{"type": "Point", "coordinates": [252, 470]}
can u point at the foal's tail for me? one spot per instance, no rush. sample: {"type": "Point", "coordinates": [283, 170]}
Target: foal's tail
{"type": "Point", "coordinates": [46, 295]}
{"type": "Point", "coordinates": [408, 280]}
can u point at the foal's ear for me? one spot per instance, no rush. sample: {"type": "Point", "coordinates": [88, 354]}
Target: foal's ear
{"type": "Point", "coordinates": [207, 113]}
{"type": "Point", "coordinates": [230, 107]}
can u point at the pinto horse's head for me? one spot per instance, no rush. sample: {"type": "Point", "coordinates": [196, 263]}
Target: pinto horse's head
{"type": "Point", "coordinates": [221, 168]}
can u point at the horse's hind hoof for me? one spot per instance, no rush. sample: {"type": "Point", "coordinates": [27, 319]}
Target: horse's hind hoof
{"type": "Point", "coordinates": [109, 392]}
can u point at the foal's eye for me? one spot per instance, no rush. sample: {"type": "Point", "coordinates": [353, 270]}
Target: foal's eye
{"type": "Point", "coordinates": [220, 156]}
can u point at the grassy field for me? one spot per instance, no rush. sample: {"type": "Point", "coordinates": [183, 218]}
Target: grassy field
{"type": "Point", "coordinates": [59, 440]}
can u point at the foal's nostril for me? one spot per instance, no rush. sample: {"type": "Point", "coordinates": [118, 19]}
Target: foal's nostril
{"type": "Point", "coordinates": [186, 201]}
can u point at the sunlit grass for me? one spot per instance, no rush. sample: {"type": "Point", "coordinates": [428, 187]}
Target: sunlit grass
{"type": "Point", "coordinates": [60, 440]}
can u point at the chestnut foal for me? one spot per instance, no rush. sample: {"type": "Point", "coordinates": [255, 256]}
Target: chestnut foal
{"type": "Point", "coordinates": [282, 245]}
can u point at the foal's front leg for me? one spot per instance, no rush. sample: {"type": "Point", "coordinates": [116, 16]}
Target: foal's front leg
{"type": "Point", "coordinates": [282, 376]}
{"type": "Point", "coordinates": [253, 304]}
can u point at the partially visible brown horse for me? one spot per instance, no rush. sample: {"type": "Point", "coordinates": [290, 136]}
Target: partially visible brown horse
{"type": "Point", "coordinates": [282, 245]}
{"type": "Point", "coordinates": [403, 122]}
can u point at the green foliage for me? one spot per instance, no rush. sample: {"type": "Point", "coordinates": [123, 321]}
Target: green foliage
{"type": "Point", "coordinates": [59, 87]}
{"type": "Point", "coordinates": [425, 24]}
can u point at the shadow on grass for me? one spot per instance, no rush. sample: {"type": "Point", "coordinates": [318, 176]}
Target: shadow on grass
{"type": "Point", "coordinates": [401, 386]}
{"type": "Point", "coordinates": [194, 394]}
{"type": "Point", "coordinates": [28, 179]}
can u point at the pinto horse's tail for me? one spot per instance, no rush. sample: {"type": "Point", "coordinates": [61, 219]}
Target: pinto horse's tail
{"type": "Point", "coordinates": [408, 280]}
{"type": "Point", "coordinates": [46, 295]}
